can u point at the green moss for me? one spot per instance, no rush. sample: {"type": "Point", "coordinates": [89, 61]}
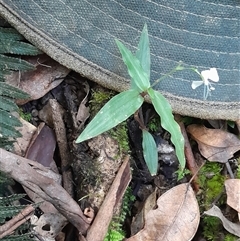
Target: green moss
{"type": "Point", "coordinates": [100, 97]}
{"type": "Point", "coordinates": [213, 230]}
{"type": "Point", "coordinates": [114, 235]}
{"type": "Point", "coordinates": [211, 227]}
{"type": "Point", "coordinates": [230, 237]}
{"type": "Point", "coordinates": [211, 182]}
{"type": "Point", "coordinates": [24, 115]}
{"type": "Point", "coordinates": [120, 134]}
{"type": "Point", "coordinates": [115, 231]}
{"type": "Point", "coordinates": [238, 169]}
{"type": "Point", "coordinates": [154, 124]}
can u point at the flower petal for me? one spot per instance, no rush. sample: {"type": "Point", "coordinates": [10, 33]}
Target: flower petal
{"type": "Point", "coordinates": [196, 84]}
{"type": "Point", "coordinates": [213, 75]}
{"type": "Point", "coordinates": [205, 75]}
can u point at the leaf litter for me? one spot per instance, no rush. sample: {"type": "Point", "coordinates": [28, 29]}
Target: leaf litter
{"type": "Point", "coordinates": [177, 214]}
{"type": "Point", "coordinates": [214, 144]}
{"type": "Point", "coordinates": [176, 217]}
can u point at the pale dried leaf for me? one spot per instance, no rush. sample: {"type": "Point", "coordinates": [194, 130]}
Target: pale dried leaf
{"type": "Point", "coordinates": [233, 193]}
{"type": "Point", "coordinates": [40, 81]}
{"type": "Point", "coordinates": [83, 110]}
{"type": "Point", "coordinates": [214, 144]}
{"type": "Point", "coordinates": [27, 130]}
{"type": "Point", "coordinates": [176, 218]}
{"type": "Point", "coordinates": [233, 228]}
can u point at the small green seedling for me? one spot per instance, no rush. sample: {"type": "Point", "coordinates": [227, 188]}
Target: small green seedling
{"type": "Point", "coordinates": [123, 105]}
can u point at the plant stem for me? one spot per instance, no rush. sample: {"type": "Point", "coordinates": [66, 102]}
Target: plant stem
{"type": "Point", "coordinates": [178, 68]}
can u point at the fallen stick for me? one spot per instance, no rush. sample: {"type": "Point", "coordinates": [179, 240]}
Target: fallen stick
{"type": "Point", "coordinates": [31, 175]}
{"type": "Point", "coordinates": [190, 160]}
{"type": "Point", "coordinates": [16, 221]}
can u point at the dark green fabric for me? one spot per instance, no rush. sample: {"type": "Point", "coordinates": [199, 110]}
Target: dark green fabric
{"type": "Point", "coordinates": [203, 34]}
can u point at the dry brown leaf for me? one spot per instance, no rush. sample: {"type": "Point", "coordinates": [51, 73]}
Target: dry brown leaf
{"type": "Point", "coordinates": [47, 75]}
{"type": "Point", "coordinates": [83, 110]}
{"type": "Point", "coordinates": [214, 144]}
{"type": "Point", "coordinates": [233, 228]}
{"type": "Point", "coordinates": [138, 221]}
{"type": "Point", "coordinates": [176, 218]}
{"type": "Point", "coordinates": [233, 193]}
{"type": "Point", "coordinates": [27, 130]}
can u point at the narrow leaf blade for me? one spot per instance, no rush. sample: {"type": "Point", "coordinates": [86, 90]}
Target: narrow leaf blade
{"type": "Point", "coordinates": [150, 152]}
{"type": "Point", "coordinates": [164, 110]}
{"type": "Point", "coordinates": [135, 70]}
{"type": "Point", "coordinates": [143, 52]}
{"type": "Point", "coordinates": [11, 63]}
{"type": "Point", "coordinates": [116, 110]}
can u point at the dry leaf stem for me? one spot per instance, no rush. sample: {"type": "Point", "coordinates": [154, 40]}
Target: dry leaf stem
{"type": "Point", "coordinates": [191, 163]}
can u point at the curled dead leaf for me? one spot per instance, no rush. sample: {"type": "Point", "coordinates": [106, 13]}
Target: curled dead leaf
{"type": "Point", "coordinates": [214, 144]}
{"type": "Point", "coordinates": [233, 194]}
{"type": "Point", "coordinates": [176, 217]}
{"type": "Point", "coordinates": [233, 228]}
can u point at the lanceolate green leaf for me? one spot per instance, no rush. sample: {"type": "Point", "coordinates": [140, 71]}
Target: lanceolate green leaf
{"type": "Point", "coordinates": [118, 109]}
{"type": "Point", "coordinates": [135, 69]}
{"type": "Point", "coordinates": [150, 152]}
{"type": "Point", "coordinates": [143, 52]}
{"type": "Point", "coordinates": [164, 110]}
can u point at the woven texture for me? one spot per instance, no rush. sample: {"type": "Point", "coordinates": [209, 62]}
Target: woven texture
{"type": "Point", "coordinates": [202, 34]}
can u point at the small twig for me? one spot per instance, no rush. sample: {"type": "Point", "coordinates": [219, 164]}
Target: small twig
{"type": "Point", "coordinates": [139, 120]}
{"type": "Point", "coordinates": [16, 221]}
{"type": "Point", "coordinates": [29, 174]}
{"type": "Point", "coordinates": [60, 132]}
{"type": "Point", "coordinates": [191, 163]}
{"type": "Point", "coordinates": [229, 169]}
{"type": "Point", "coordinates": [238, 125]}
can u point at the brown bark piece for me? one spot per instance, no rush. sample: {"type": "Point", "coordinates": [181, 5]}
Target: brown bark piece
{"type": "Point", "coordinates": [60, 131]}
{"type": "Point", "coordinates": [99, 228]}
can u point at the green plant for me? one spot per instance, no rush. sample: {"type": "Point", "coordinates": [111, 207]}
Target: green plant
{"type": "Point", "coordinates": [11, 43]}
{"type": "Point", "coordinates": [123, 105]}
{"type": "Point", "coordinates": [119, 133]}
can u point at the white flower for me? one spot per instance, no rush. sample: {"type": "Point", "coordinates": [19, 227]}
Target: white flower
{"type": "Point", "coordinates": [206, 75]}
